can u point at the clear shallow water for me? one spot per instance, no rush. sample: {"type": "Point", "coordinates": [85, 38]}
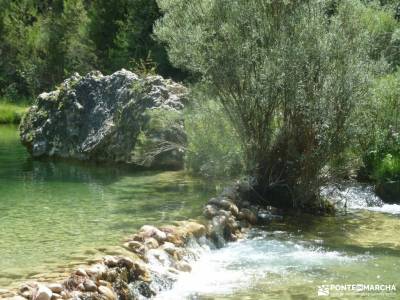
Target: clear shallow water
{"type": "Point", "coordinates": [57, 214]}
{"type": "Point", "coordinates": [292, 258]}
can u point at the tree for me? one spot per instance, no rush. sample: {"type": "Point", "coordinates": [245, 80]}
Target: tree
{"type": "Point", "coordinates": [67, 44]}
{"type": "Point", "coordinates": [106, 18]}
{"type": "Point", "coordinates": [289, 76]}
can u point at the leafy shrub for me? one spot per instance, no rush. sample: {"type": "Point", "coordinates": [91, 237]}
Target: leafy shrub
{"type": "Point", "coordinates": [288, 76]}
{"type": "Point", "coordinates": [388, 168]}
{"type": "Point", "coordinates": [381, 137]}
{"type": "Point", "coordinates": [213, 146]}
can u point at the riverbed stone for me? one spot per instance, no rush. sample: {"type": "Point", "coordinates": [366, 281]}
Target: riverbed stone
{"type": "Point", "coordinates": [125, 262]}
{"type": "Point", "coordinates": [141, 271]}
{"type": "Point", "coordinates": [183, 266]}
{"type": "Point", "coordinates": [248, 215]}
{"type": "Point", "coordinates": [150, 231]}
{"type": "Point", "coordinates": [56, 296]}
{"type": "Point", "coordinates": [42, 293]}
{"type": "Point", "coordinates": [56, 287]}
{"type": "Point", "coordinates": [108, 118]}
{"type": "Point", "coordinates": [136, 247]}
{"type": "Point", "coordinates": [81, 272]}
{"type": "Point", "coordinates": [151, 243]}
{"type": "Point", "coordinates": [110, 261]}
{"type": "Point", "coordinates": [169, 248]}
{"type": "Point", "coordinates": [210, 211]}
{"type": "Point", "coordinates": [96, 271]}
{"type": "Point", "coordinates": [89, 286]}
{"type": "Point", "coordinates": [107, 292]}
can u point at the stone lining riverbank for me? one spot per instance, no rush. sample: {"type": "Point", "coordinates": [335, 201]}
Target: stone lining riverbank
{"type": "Point", "coordinates": [157, 255]}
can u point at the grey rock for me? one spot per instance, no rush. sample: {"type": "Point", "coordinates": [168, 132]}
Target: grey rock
{"type": "Point", "coordinates": [210, 211]}
{"type": "Point", "coordinates": [104, 118]}
{"type": "Point", "coordinates": [89, 286]}
{"type": "Point", "coordinates": [42, 293]}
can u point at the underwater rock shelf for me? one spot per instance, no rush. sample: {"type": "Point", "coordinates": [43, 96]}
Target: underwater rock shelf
{"type": "Point", "coordinates": [157, 255]}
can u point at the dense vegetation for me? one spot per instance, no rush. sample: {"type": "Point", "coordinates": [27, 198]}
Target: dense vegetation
{"type": "Point", "coordinates": [43, 42]}
{"type": "Point", "coordinates": [293, 93]}
{"type": "Point", "coordinates": [294, 78]}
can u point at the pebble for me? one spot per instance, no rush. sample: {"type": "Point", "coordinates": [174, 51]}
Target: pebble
{"type": "Point", "coordinates": [125, 262]}
{"type": "Point", "coordinates": [81, 272]}
{"type": "Point", "coordinates": [42, 293]}
{"type": "Point", "coordinates": [56, 287]}
{"type": "Point", "coordinates": [110, 261]}
{"type": "Point", "coordinates": [107, 292]}
{"type": "Point", "coordinates": [89, 286]}
{"type": "Point", "coordinates": [151, 231]}
{"type": "Point", "coordinates": [151, 243]}
{"type": "Point", "coordinates": [183, 266]}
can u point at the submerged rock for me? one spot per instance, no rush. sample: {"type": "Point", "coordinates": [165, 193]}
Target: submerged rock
{"type": "Point", "coordinates": [116, 118]}
{"type": "Point", "coordinates": [154, 257]}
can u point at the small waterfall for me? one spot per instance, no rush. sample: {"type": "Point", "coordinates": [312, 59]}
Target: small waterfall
{"type": "Point", "coordinates": [242, 264]}
{"type": "Point", "coordinates": [358, 196]}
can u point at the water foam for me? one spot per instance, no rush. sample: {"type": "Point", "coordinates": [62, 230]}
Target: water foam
{"type": "Point", "coordinates": [242, 264]}
{"type": "Point", "coordinates": [359, 196]}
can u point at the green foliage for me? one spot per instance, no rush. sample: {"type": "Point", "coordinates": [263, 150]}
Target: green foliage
{"type": "Point", "coordinates": [43, 42]}
{"type": "Point", "coordinates": [380, 129]}
{"type": "Point", "coordinates": [163, 134]}
{"type": "Point", "coordinates": [384, 34]}
{"type": "Point", "coordinates": [11, 113]}
{"type": "Point", "coordinates": [288, 76]}
{"type": "Point", "coordinates": [388, 169]}
{"type": "Point", "coordinates": [213, 148]}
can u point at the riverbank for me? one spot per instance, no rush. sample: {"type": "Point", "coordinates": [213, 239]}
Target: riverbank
{"type": "Point", "coordinates": [292, 255]}
{"type": "Point", "coordinates": [156, 256]}
{"type": "Point", "coordinates": [11, 113]}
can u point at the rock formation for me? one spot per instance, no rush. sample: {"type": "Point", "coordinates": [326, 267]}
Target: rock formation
{"type": "Point", "coordinates": [117, 118]}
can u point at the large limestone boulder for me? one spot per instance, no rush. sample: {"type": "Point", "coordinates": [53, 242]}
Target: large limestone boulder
{"type": "Point", "coordinates": [116, 118]}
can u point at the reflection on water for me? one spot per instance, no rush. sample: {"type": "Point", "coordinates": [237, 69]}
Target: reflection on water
{"type": "Point", "coordinates": [56, 213]}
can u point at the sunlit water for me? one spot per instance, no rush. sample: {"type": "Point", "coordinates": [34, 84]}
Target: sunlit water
{"type": "Point", "coordinates": [59, 214]}
{"type": "Point", "coordinates": [292, 258]}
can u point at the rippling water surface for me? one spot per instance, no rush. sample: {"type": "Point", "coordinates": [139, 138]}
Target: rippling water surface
{"type": "Point", "coordinates": [57, 214]}
{"type": "Point", "coordinates": [290, 259]}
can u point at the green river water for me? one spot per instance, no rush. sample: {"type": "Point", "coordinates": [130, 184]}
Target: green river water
{"type": "Point", "coordinates": [54, 215]}
{"type": "Point", "coordinates": [57, 214]}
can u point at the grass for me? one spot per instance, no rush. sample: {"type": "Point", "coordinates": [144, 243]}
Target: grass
{"type": "Point", "coordinates": [11, 113]}
{"type": "Point", "coordinates": [388, 169]}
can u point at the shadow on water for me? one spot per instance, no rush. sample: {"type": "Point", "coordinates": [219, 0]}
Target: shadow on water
{"type": "Point", "coordinates": [52, 212]}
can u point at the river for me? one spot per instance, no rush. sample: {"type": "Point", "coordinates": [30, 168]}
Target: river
{"type": "Point", "coordinates": [57, 214]}
{"type": "Point", "coordinates": [54, 215]}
